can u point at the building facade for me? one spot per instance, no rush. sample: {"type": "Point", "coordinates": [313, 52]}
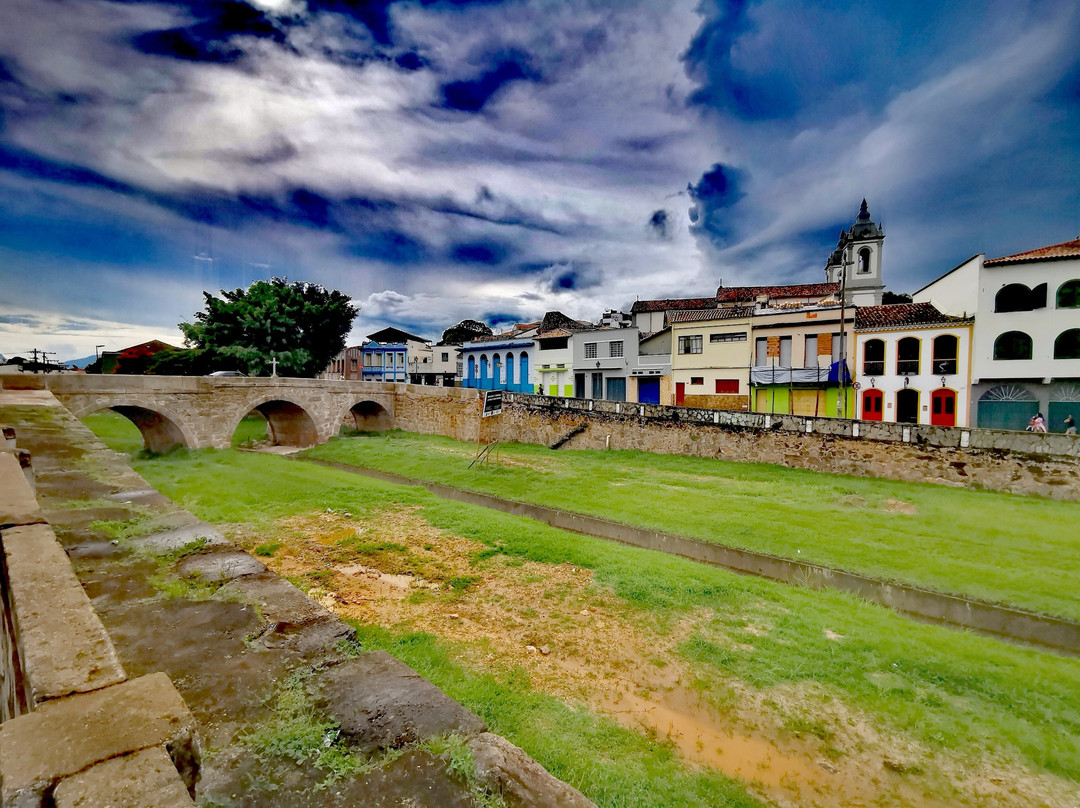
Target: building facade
{"type": "Point", "coordinates": [603, 362]}
{"type": "Point", "coordinates": [711, 357]}
{"type": "Point", "coordinates": [1026, 342]}
{"type": "Point", "coordinates": [503, 361]}
{"type": "Point", "coordinates": [912, 364]}
{"type": "Point", "coordinates": [801, 361]}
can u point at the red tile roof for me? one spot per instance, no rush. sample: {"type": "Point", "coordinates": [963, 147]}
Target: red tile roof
{"type": "Point", "coordinates": [738, 294]}
{"type": "Point", "coordinates": [904, 315]}
{"type": "Point", "coordinates": [673, 304]}
{"type": "Point", "coordinates": [1055, 252]}
{"type": "Point", "coordinates": [697, 316]}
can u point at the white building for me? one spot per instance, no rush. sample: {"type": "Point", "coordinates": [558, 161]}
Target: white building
{"type": "Point", "coordinates": [856, 261]}
{"type": "Point", "coordinates": [446, 365]}
{"type": "Point", "coordinates": [912, 363]}
{"type": "Point", "coordinates": [1026, 346]}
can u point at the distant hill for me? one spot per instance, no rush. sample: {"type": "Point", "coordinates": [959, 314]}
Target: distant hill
{"type": "Point", "coordinates": [80, 363]}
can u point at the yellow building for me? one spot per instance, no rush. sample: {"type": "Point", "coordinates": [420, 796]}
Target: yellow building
{"type": "Point", "coordinates": [710, 358]}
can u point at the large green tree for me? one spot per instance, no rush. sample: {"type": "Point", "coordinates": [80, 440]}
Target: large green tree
{"type": "Point", "coordinates": [463, 332]}
{"type": "Point", "coordinates": [302, 325]}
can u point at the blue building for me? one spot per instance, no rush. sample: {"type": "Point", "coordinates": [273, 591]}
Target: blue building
{"type": "Point", "coordinates": [393, 355]}
{"type": "Point", "coordinates": [502, 361]}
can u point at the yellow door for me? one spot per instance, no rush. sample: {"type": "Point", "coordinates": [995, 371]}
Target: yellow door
{"type": "Point", "coordinates": [805, 402]}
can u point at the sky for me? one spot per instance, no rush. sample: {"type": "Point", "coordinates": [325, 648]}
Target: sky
{"type": "Point", "coordinates": [444, 159]}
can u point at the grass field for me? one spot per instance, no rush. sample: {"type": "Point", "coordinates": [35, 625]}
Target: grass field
{"type": "Point", "coordinates": [1023, 551]}
{"type": "Point", "coordinates": [953, 696]}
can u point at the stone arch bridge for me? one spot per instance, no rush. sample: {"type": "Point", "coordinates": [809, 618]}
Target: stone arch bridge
{"type": "Point", "coordinates": [200, 412]}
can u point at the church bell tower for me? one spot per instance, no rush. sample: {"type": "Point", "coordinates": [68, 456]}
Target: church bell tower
{"type": "Point", "coordinates": [856, 261]}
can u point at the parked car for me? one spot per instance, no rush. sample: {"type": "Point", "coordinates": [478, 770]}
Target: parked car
{"type": "Point", "coordinates": [228, 373]}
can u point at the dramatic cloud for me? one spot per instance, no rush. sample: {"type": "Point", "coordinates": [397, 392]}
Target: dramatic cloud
{"type": "Point", "coordinates": [444, 159]}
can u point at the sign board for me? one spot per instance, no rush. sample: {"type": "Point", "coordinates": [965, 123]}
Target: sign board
{"type": "Point", "coordinates": [772, 347]}
{"type": "Point", "coordinates": [824, 344]}
{"type": "Point", "coordinates": [493, 401]}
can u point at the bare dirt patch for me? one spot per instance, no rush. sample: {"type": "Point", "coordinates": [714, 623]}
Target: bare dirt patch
{"type": "Point", "coordinates": [793, 745]}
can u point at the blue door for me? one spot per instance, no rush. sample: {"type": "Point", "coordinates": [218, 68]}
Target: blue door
{"type": "Point", "coordinates": [648, 391]}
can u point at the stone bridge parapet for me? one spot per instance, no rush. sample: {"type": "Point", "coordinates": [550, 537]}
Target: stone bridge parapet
{"type": "Point", "coordinates": [200, 412]}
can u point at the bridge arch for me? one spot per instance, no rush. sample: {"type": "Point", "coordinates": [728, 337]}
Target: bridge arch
{"type": "Point", "coordinates": [288, 423]}
{"type": "Point", "coordinates": [369, 416]}
{"type": "Point", "coordinates": [161, 429]}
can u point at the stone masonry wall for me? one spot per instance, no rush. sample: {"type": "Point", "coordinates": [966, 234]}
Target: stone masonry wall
{"type": "Point", "coordinates": [876, 452]}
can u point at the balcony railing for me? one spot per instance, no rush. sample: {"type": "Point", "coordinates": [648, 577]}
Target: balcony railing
{"type": "Point", "coordinates": [874, 368]}
{"type": "Point", "coordinates": [909, 367]}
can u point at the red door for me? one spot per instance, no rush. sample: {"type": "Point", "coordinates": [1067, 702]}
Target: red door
{"type": "Point", "coordinates": [680, 393]}
{"type": "Point", "coordinates": [943, 407]}
{"type": "Point", "coordinates": [871, 405]}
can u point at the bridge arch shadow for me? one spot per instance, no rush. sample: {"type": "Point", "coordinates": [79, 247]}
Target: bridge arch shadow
{"type": "Point", "coordinates": [288, 424]}
{"type": "Point", "coordinates": [369, 416]}
{"type": "Point", "coordinates": [160, 431]}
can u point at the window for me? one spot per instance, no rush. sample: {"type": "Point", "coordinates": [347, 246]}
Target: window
{"type": "Point", "coordinates": [907, 356]}
{"type": "Point", "coordinates": [1067, 345]}
{"type": "Point", "coordinates": [785, 352]}
{"type": "Point", "coordinates": [810, 352]}
{"type": "Point", "coordinates": [445, 356]}
{"type": "Point", "coordinates": [1068, 295]}
{"type": "Point", "coordinates": [554, 343]}
{"type": "Point", "coordinates": [590, 350]}
{"type": "Point", "coordinates": [761, 351]}
{"type": "Point", "coordinates": [1012, 345]}
{"type": "Point", "coordinates": [615, 349]}
{"type": "Point", "coordinates": [864, 260]}
{"type": "Point", "coordinates": [697, 380]}
{"type": "Point", "coordinates": [945, 355]}
{"type": "Point", "coordinates": [739, 336]}
{"type": "Point", "coordinates": [874, 358]}
{"type": "Point", "coordinates": [690, 344]}
{"type": "Point", "coordinates": [1017, 297]}
{"type": "Point", "coordinates": [727, 386]}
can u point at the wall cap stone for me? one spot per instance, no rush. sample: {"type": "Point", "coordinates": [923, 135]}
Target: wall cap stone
{"type": "Point", "coordinates": [67, 736]}
{"type": "Point", "coordinates": [63, 644]}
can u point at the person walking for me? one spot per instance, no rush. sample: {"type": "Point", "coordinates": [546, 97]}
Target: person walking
{"type": "Point", "coordinates": [1037, 424]}
{"type": "Point", "coordinates": [1070, 425]}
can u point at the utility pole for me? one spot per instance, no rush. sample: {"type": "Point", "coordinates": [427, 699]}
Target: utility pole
{"type": "Point", "coordinates": [843, 359]}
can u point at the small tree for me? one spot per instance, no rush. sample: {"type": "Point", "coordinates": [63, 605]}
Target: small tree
{"type": "Point", "coordinates": [302, 325]}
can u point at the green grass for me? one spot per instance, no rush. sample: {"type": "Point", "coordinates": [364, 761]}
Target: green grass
{"type": "Point", "coordinates": [123, 436]}
{"type": "Point", "coordinates": [947, 689]}
{"type": "Point", "coordinates": [1023, 551]}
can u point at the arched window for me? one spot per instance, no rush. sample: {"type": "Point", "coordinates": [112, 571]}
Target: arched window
{"type": "Point", "coordinates": [907, 356]}
{"type": "Point", "coordinates": [496, 368]}
{"type": "Point", "coordinates": [945, 352]}
{"type": "Point", "coordinates": [483, 368]}
{"type": "Point", "coordinates": [1012, 345]}
{"type": "Point", "coordinates": [1014, 297]}
{"type": "Point", "coordinates": [1067, 345]}
{"type": "Point", "coordinates": [523, 381]}
{"type": "Point", "coordinates": [1068, 295]}
{"type": "Point", "coordinates": [509, 371]}
{"type": "Point", "coordinates": [874, 358]}
{"type": "Point", "coordinates": [1017, 297]}
{"type": "Point", "coordinates": [864, 260]}
{"type": "Point", "coordinates": [472, 371]}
